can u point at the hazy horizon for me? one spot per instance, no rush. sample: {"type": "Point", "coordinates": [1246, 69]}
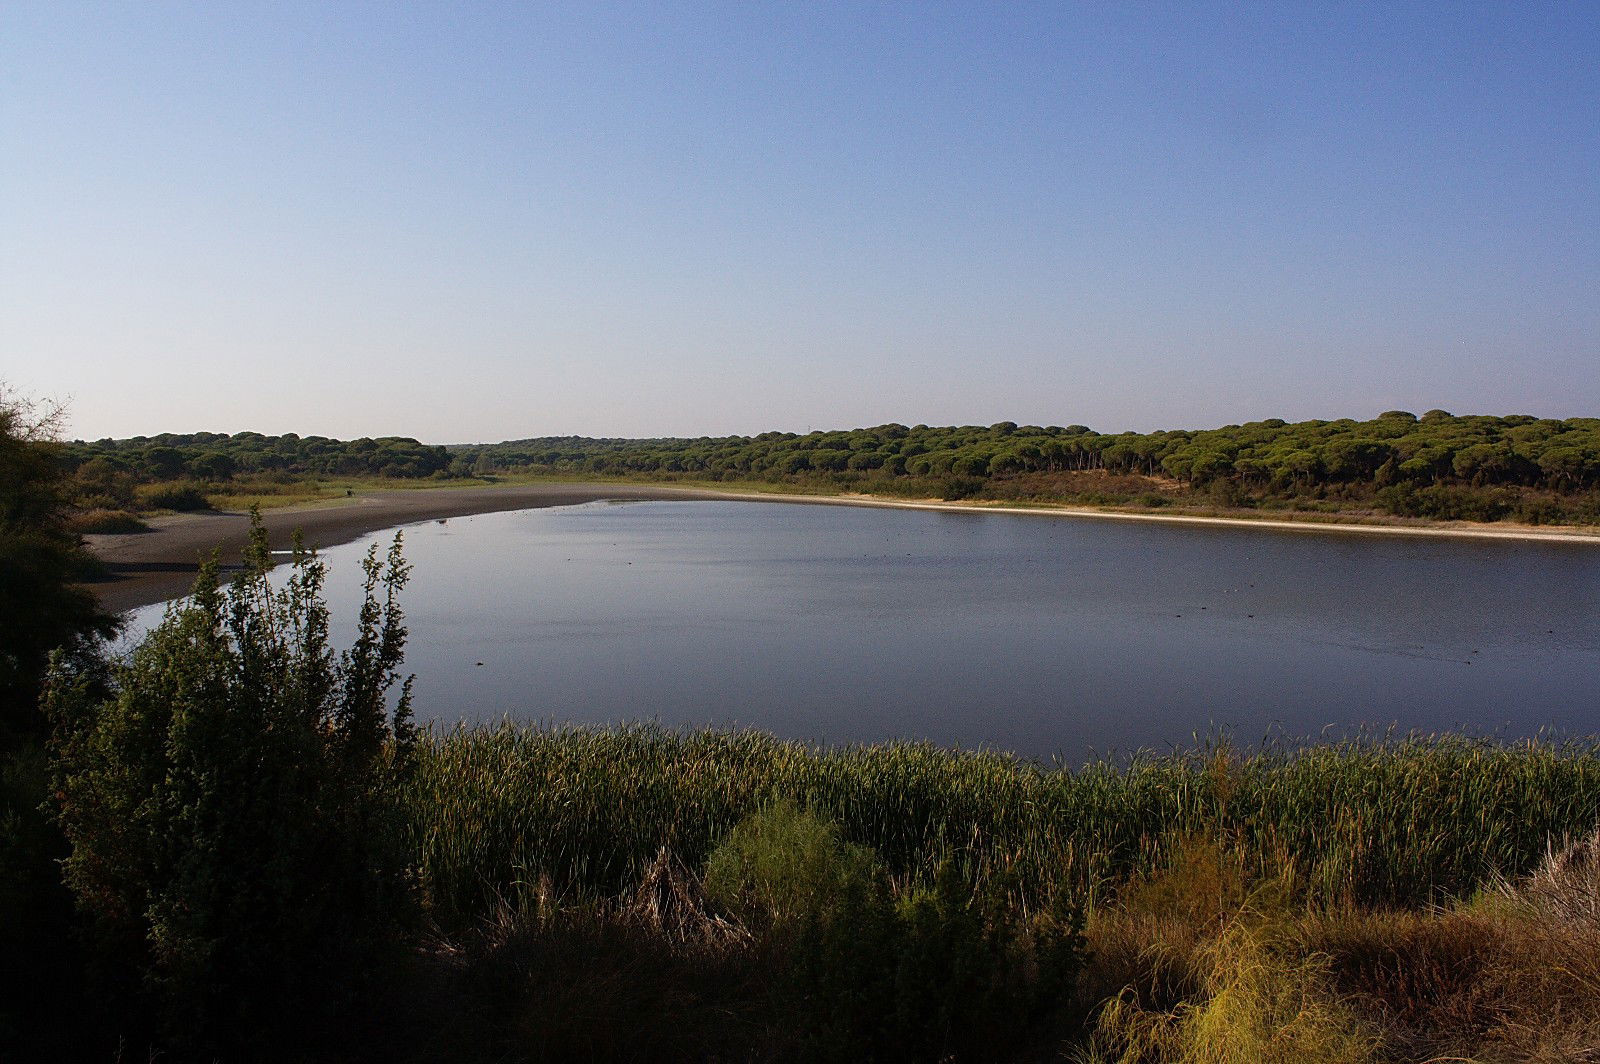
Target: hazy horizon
{"type": "Point", "coordinates": [488, 221]}
{"type": "Point", "coordinates": [1105, 431]}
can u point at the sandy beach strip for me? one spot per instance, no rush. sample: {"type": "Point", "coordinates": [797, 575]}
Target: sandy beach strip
{"type": "Point", "coordinates": [1443, 529]}
{"type": "Point", "coordinates": [158, 565]}
{"type": "Point", "coordinates": [154, 566]}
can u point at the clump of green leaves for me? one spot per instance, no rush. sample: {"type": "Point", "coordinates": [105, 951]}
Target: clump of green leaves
{"type": "Point", "coordinates": [43, 607]}
{"type": "Point", "coordinates": [232, 805]}
{"type": "Point", "coordinates": [783, 867]}
{"type": "Point", "coordinates": [932, 973]}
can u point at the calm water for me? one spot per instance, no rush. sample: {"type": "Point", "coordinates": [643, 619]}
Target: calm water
{"type": "Point", "coordinates": [1038, 635]}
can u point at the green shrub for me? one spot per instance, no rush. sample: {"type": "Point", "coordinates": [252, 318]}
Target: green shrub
{"type": "Point", "coordinates": [231, 807]}
{"type": "Point", "coordinates": [1399, 499]}
{"type": "Point", "coordinates": [1537, 511]}
{"type": "Point", "coordinates": [972, 976]}
{"type": "Point", "coordinates": [960, 487]}
{"type": "Point", "coordinates": [782, 867]}
{"type": "Point", "coordinates": [939, 974]}
{"type": "Point", "coordinates": [1444, 502]}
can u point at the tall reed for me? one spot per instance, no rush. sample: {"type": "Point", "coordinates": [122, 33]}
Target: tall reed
{"type": "Point", "coordinates": [499, 810]}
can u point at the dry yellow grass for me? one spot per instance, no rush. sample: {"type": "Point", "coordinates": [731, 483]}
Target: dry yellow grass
{"type": "Point", "coordinates": [1200, 964]}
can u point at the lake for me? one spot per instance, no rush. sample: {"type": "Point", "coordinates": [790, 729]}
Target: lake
{"type": "Point", "coordinates": [1035, 634]}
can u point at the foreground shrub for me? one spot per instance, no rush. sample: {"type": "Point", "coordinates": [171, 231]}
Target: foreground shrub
{"type": "Point", "coordinates": [1199, 961]}
{"type": "Point", "coordinates": [41, 961]}
{"type": "Point", "coordinates": [655, 974]}
{"type": "Point", "coordinates": [937, 973]}
{"type": "Point", "coordinates": [781, 868]}
{"type": "Point", "coordinates": [43, 604]}
{"type": "Point", "coordinates": [231, 808]}
{"type": "Point", "coordinates": [1512, 975]}
{"type": "Point", "coordinates": [1257, 1004]}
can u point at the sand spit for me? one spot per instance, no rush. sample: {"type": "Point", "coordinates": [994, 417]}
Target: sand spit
{"type": "Point", "coordinates": [154, 566]}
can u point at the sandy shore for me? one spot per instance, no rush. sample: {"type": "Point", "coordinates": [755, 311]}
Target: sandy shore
{"type": "Point", "coordinates": [154, 566]}
{"type": "Point", "coordinates": [160, 564]}
{"type": "Point", "coordinates": [1443, 529]}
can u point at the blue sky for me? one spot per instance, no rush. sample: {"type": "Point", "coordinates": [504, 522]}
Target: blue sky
{"type": "Point", "coordinates": [466, 221]}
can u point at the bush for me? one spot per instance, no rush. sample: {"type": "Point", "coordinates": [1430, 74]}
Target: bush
{"type": "Point", "coordinates": [781, 868]}
{"type": "Point", "coordinates": [938, 974]}
{"type": "Point", "coordinates": [232, 806]}
{"type": "Point", "coordinates": [1538, 511]}
{"type": "Point", "coordinates": [1255, 1005]}
{"type": "Point", "coordinates": [181, 497]}
{"type": "Point", "coordinates": [43, 605]}
{"type": "Point", "coordinates": [107, 522]}
{"type": "Point", "coordinates": [959, 487]}
{"type": "Point", "coordinates": [1443, 502]}
{"type": "Point", "coordinates": [652, 976]}
{"type": "Point", "coordinates": [1399, 499]}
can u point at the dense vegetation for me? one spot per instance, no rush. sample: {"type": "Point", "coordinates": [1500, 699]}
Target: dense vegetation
{"type": "Point", "coordinates": [1392, 823]}
{"type": "Point", "coordinates": [116, 481]}
{"type": "Point", "coordinates": [1373, 901]}
{"type": "Point", "coordinates": [210, 456]}
{"type": "Point", "coordinates": [643, 894]}
{"type": "Point", "coordinates": [228, 792]}
{"type": "Point", "coordinates": [1438, 465]}
{"type": "Point", "coordinates": [43, 610]}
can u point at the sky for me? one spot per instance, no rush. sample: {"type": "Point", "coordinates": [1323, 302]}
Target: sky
{"type": "Point", "coordinates": [482, 221]}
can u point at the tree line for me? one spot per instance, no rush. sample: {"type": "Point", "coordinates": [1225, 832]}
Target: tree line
{"type": "Point", "coordinates": [1438, 465]}
{"type": "Point", "coordinates": [217, 456]}
{"type": "Point", "coordinates": [1393, 448]}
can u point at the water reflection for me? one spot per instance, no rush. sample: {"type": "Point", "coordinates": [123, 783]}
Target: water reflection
{"type": "Point", "coordinates": [1033, 634]}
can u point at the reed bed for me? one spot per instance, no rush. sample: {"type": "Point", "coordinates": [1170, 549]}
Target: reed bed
{"type": "Point", "coordinates": [499, 811]}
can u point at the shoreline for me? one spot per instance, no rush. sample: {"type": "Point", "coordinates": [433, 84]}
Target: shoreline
{"type": "Point", "coordinates": [145, 568]}
{"type": "Point", "coordinates": [1460, 530]}
{"type": "Point", "coordinates": [154, 566]}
